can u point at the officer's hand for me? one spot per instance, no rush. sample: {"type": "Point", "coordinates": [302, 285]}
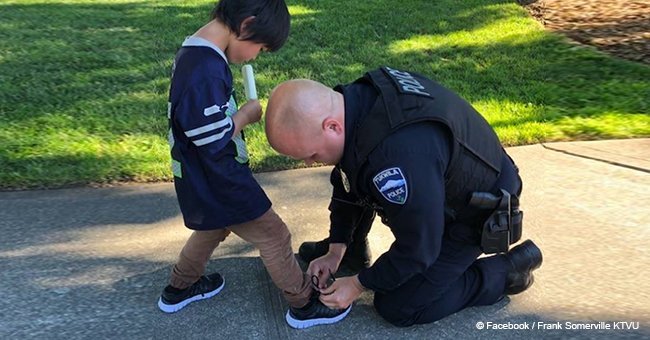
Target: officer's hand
{"type": "Point", "coordinates": [342, 292]}
{"type": "Point", "coordinates": [323, 266]}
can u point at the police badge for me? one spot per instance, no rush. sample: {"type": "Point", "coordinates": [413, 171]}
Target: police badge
{"type": "Point", "coordinates": [391, 183]}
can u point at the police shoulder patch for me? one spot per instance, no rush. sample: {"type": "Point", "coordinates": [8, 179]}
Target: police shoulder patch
{"type": "Point", "coordinates": [391, 183]}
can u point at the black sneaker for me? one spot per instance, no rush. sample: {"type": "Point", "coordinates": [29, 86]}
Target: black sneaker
{"type": "Point", "coordinates": [356, 257]}
{"type": "Point", "coordinates": [173, 299]}
{"type": "Point", "coordinates": [314, 313]}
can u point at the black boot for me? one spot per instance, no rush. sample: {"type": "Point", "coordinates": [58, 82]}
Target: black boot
{"type": "Point", "coordinates": [523, 258]}
{"type": "Point", "coordinates": [356, 257]}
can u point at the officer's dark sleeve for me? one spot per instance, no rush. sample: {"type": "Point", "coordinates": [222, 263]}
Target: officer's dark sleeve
{"type": "Point", "coordinates": [418, 224]}
{"type": "Point", "coordinates": [344, 211]}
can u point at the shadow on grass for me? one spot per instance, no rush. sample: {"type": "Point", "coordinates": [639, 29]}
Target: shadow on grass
{"type": "Point", "coordinates": [47, 170]}
{"type": "Point", "coordinates": [102, 70]}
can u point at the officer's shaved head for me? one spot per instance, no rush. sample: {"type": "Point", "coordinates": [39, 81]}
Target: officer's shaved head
{"type": "Point", "coordinates": [296, 110]}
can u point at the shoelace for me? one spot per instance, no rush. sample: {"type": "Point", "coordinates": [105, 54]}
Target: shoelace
{"type": "Point", "coordinates": [316, 282]}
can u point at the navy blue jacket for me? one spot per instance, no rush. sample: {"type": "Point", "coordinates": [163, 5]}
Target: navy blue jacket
{"type": "Point", "coordinates": [214, 185]}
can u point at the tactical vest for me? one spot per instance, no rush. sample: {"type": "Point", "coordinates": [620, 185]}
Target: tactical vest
{"type": "Point", "coordinates": [406, 98]}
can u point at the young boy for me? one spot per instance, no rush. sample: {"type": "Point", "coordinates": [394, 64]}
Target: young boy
{"type": "Point", "coordinates": [216, 190]}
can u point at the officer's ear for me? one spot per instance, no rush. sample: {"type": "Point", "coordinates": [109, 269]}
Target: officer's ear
{"type": "Point", "coordinates": [331, 125]}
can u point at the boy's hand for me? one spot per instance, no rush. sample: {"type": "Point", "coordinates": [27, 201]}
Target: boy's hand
{"type": "Point", "coordinates": [252, 110]}
{"type": "Point", "coordinates": [248, 113]}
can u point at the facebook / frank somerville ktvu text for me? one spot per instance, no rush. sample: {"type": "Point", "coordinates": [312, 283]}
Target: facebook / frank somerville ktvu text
{"type": "Point", "coordinates": [564, 325]}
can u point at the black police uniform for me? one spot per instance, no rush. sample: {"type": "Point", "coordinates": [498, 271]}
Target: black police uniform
{"type": "Point", "coordinates": [416, 169]}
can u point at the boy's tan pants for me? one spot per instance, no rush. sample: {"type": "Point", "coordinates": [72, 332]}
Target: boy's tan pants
{"type": "Point", "coordinates": [269, 234]}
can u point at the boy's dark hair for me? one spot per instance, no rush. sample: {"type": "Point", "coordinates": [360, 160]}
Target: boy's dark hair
{"type": "Point", "coordinates": [270, 26]}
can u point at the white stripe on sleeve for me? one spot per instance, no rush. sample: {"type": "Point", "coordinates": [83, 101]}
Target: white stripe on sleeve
{"type": "Point", "coordinates": [209, 127]}
{"type": "Point", "coordinates": [213, 138]}
{"type": "Point", "coordinates": [209, 111]}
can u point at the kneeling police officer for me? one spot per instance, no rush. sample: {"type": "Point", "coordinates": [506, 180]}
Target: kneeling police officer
{"type": "Point", "coordinates": [432, 168]}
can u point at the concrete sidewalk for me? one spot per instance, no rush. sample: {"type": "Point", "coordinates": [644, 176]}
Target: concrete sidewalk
{"type": "Point", "coordinates": [90, 263]}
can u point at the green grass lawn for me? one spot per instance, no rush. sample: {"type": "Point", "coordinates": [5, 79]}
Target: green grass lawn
{"type": "Point", "coordinates": [83, 84]}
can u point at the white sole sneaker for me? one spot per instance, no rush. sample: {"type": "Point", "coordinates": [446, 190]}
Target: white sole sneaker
{"type": "Point", "coordinates": [175, 308]}
{"type": "Point", "coordinates": [301, 324]}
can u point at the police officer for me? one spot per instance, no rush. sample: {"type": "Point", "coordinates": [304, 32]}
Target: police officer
{"type": "Point", "coordinates": [423, 159]}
